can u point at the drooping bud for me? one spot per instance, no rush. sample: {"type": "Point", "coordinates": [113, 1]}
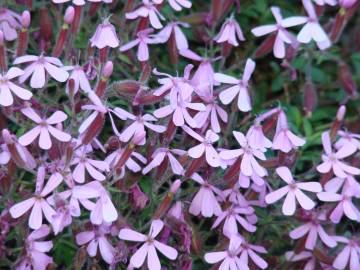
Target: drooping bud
{"type": "Point", "coordinates": [310, 98]}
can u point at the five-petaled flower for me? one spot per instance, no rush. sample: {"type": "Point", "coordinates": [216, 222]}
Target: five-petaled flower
{"type": "Point", "coordinates": [148, 249]}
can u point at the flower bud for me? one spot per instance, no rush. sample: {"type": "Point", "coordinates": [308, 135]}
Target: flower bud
{"type": "Point", "coordinates": [175, 186]}
{"type": "Point", "coordinates": [1, 38]}
{"type": "Point", "coordinates": [108, 69]}
{"type": "Point", "coordinates": [69, 15]}
{"type": "Point", "coordinates": [347, 3]}
{"type": "Point", "coordinates": [310, 98]}
{"type": "Point", "coordinates": [25, 19]}
{"type": "Point", "coordinates": [347, 81]}
{"type": "Point", "coordinates": [341, 113]}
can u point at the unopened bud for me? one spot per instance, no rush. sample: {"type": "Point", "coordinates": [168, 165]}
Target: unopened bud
{"type": "Point", "coordinates": [310, 98]}
{"type": "Point", "coordinates": [347, 3]}
{"type": "Point", "coordinates": [1, 38]}
{"type": "Point", "coordinates": [69, 15]}
{"type": "Point", "coordinates": [108, 69]}
{"type": "Point", "coordinates": [7, 136]}
{"type": "Point", "coordinates": [347, 81]}
{"type": "Point", "coordinates": [341, 113]}
{"type": "Point", "coordinates": [25, 19]}
{"type": "Point", "coordinates": [175, 186]}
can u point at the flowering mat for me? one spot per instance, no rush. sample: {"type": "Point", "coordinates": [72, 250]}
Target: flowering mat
{"type": "Point", "coordinates": [178, 134]}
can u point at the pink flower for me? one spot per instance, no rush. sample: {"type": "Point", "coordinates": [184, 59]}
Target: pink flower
{"type": "Point", "coordinates": [348, 183]}
{"type": "Point", "coordinates": [130, 163]}
{"type": "Point", "coordinates": [313, 229]}
{"type": "Point", "coordinates": [205, 146]}
{"type": "Point", "coordinates": [13, 149]}
{"type": "Point", "coordinates": [284, 139]}
{"type": "Point", "coordinates": [282, 35]}
{"type": "Point", "coordinates": [248, 250]}
{"type": "Point", "coordinates": [142, 41]}
{"type": "Point", "coordinates": [80, 79]}
{"type": "Point", "coordinates": [148, 249]}
{"type": "Point", "coordinates": [38, 203]}
{"type": "Point", "coordinates": [97, 239]}
{"type": "Point", "coordinates": [173, 27]}
{"type": "Point", "coordinates": [244, 180]}
{"type": "Point", "coordinates": [204, 75]}
{"type": "Point", "coordinates": [230, 31]}
{"type": "Point", "coordinates": [37, 68]}
{"type": "Point", "coordinates": [97, 107]}
{"type": "Point", "coordinates": [7, 87]}
{"type": "Point", "coordinates": [92, 166]}
{"type": "Point", "coordinates": [44, 128]}
{"type": "Point", "coordinates": [180, 112]}
{"type": "Point", "coordinates": [231, 216]}
{"type": "Point", "coordinates": [293, 191]}
{"type": "Point", "coordinates": [212, 111]}
{"type": "Point", "coordinates": [138, 125]}
{"type": "Point", "coordinates": [229, 257]}
{"type": "Point", "coordinates": [240, 87]}
{"type": "Point", "coordinates": [9, 23]}
{"type": "Point", "coordinates": [35, 257]}
{"type": "Point", "coordinates": [331, 160]}
{"type": "Point", "coordinates": [162, 154]}
{"type": "Point", "coordinates": [301, 256]}
{"type": "Point", "coordinates": [350, 255]}
{"type": "Point", "coordinates": [205, 201]}
{"type": "Point", "coordinates": [105, 36]}
{"type": "Point", "coordinates": [344, 206]}
{"type": "Point", "coordinates": [249, 164]}
{"type": "Point", "coordinates": [148, 9]}
{"type": "Point", "coordinates": [256, 137]}
{"type": "Point", "coordinates": [178, 86]}
{"type": "Point", "coordinates": [179, 4]}
{"type": "Point", "coordinates": [348, 138]}
{"type": "Point", "coordinates": [104, 210]}
{"type": "Point", "coordinates": [312, 29]}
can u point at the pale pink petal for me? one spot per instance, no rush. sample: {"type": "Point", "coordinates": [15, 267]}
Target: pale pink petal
{"type": "Point", "coordinates": [263, 30]}
{"type": "Point", "coordinates": [58, 134]}
{"type": "Point", "coordinates": [300, 231]}
{"type": "Point", "coordinates": [38, 76]}
{"type": "Point", "coordinates": [166, 250]}
{"type": "Point", "coordinates": [276, 195]}
{"type": "Point", "coordinates": [84, 237]}
{"type": "Point", "coordinates": [214, 257]}
{"type": "Point", "coordinates": [289, 205]}
{"type": "Point", "coordinates": [304, 200]}
{"type": "Point", "coordinates": [21, 208]}
{"type": "Point", "coordinates": [137, 260]}
{"type": "Point", "coordinates": [44, 139]}
{"type": "Point", "coordinates": [285, 174]}
{"type": "Point", "coordinates": [342, 258]}
{"type": "Point", "coordinates": [131, 235]}
{"type": "Point", "coordinates": [30, 136]}
{"type": "Point", "coordinates": [35, 219]}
